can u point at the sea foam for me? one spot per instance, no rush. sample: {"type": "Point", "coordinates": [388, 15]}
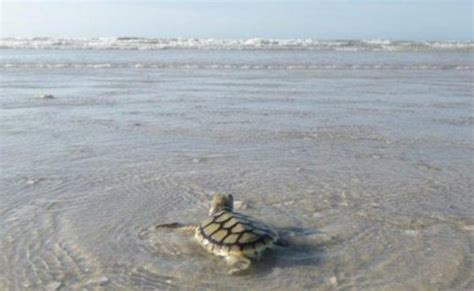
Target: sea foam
{"type": "Point", "coordinates": [138, 43]}
{"type": "Point", "coordinates": [191, 66]}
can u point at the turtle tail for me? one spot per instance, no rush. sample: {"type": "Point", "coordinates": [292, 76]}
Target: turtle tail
{"type": "Point", "coordinates": [179, 226]}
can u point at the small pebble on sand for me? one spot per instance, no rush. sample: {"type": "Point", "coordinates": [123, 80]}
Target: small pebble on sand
{"type": "Point", "coordinates": [46, 96]}
{"type": "Point", "coordinates": [103, 280]}
{"type": "Point", "coordinates": [53, 286]}
{"type": "Point", "coordinates": [411, 232]}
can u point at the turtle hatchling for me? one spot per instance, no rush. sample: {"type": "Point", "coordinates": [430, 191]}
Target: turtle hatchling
{"type": "Point", "coordinates": [232, 235]}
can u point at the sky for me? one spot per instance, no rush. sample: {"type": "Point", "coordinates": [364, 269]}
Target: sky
{"type": "Point", "coordinates": [328, 19]}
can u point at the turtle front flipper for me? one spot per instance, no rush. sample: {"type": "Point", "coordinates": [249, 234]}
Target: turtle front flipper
{"type": "Point", "coordinates": [239, 263]}
{"type": "Point", "coordinates": [281, 243]}
{"type": "Point", "coordinates": [179, 226]}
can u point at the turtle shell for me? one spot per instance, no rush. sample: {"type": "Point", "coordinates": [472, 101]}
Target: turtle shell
{"type": "Point", "coordinates": [229, 232]}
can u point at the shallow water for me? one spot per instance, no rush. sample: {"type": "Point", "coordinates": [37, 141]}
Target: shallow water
{"type": "Point", "coordinates": [362, 159]}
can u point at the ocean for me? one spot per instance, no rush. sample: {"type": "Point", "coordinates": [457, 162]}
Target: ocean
{"type": "Point", "coordinates": [360, 153]}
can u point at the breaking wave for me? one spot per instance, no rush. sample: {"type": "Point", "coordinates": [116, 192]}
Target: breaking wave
{"type": "Point", "coordinates": [138, 43]}
{"type": "Point", "coordinates": [236, 66]}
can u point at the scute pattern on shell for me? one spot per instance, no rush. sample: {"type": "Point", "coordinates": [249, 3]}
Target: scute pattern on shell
{"type": "Point", "coordinates": [228, 231]}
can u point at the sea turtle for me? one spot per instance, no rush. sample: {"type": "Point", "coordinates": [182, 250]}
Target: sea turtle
{"type": "Point", "coordinates": [229, 234]}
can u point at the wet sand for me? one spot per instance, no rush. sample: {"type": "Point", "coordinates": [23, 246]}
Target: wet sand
{"type": "Point", "coordinates": [367, 171]}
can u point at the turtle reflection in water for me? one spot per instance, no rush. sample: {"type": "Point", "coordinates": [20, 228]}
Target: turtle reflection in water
{"type": "Point", "coordinates": [229, 234]}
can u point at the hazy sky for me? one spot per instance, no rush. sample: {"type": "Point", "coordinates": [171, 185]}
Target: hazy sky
{"type": "Point", "coordinates": [330, 19]}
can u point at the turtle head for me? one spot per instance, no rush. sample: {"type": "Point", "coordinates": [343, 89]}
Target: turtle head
{"type": "Point", "coordinates": [221, 202]}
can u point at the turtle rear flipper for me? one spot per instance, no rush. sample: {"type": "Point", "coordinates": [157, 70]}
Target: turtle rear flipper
{"type": "Point", "coordinates": [239, 263]}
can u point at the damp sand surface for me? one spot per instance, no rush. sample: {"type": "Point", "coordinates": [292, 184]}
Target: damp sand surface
{"type": "Point", "coordinates": [362, 159]}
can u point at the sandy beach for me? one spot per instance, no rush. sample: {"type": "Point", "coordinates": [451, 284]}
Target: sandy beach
{"type": "Point", "coordinates": [363, 158]}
